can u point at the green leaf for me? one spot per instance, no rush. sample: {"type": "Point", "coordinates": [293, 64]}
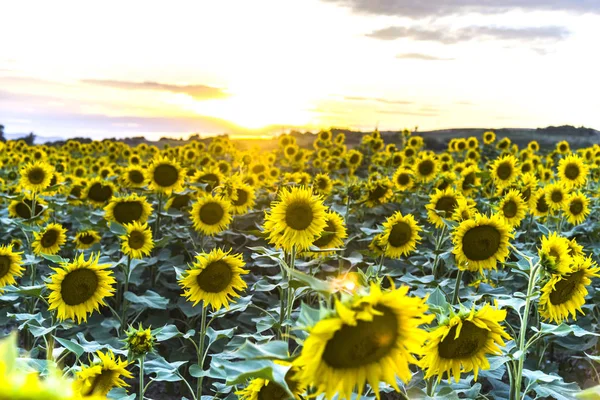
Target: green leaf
{"type": "Point", "coordinates": [437, 301]}
{"type": "Point", "coordinates": [564, 330]}
{"type": "Point", "coordinates": [214, 335]}
{"type": "Point", "coordinates": [149, 299]}
{"type": "Point", "coordinates": [166, 332]}
{"type": "Point", "coordinates": [164, 370]}
{"type": "Point", "coordinates": [239, 372]}
{"type": "Point", "coordinates": [71, 346]}
{"type": "Point", "coordinates": [275, 349]}
{"type": "Point", "coordinates": [117, 228]}
{"type": "Point", "coordinates": [315, 284]}
{"type": "Point", "coordinates": [55, 258]}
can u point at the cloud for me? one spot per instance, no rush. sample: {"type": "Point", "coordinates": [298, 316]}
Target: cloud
{"type": "Point", "coordinates": [438, 8]}
{"type": "Point", "coordinates": [198, 92]}
{"type": "Point", "coordinates": [376, 99]}
{"type": "Point", "coordinates": [421, 56]}
{"type": "Point", "coordinates": [448, 36]}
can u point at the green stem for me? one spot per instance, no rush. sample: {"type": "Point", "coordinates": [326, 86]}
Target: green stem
{"type": "Point", "coordinates": [141, 394]}
{"type": "Point", "coordinates": [125, 290]}
{"type": "Point", "coordinates": [201, 348]}
{"type": "Point", "coordinates": [438, 245]}
{"type": "Point", "coordinates": [455, 295]}
{"type": "Point", "coordinates": [153, 271]}
{"type": "Point", "coordinates": [290, 294]}
{"type": "Point", "coordinates": [380, 265]}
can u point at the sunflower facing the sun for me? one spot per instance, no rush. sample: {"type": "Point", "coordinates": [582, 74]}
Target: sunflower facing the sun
{"type": "Point", "coordinates": [49, 240]}
{"type": "Point", "coordinates": [137, 242]}
{"type": "Point", "coordinates": [165, 175]}
{"type": "Point", "coordinates": [211, 215]}
{"type": "Point", "coordinates": [36, 176]}
{"type": "Point", "coordinates": [99, 378]}
{"type": "Point", "coordinates": [128, 209]}
{"type": "Point", "coordinates": [10, 266]}
{"type": "Point", "coordinates": [400, 235]}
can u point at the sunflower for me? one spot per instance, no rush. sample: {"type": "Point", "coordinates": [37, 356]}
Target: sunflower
{"type": "Point", "coordinates": [333, 235]}
{"type": "Point", "coordinates": [400, 235]}
{"type": "Point", "coordinates": [441, 206]}
{"type": "Point", "coordinates": [563, 295]}
{"type": "Point", "coordinates": [178, 202]}
{"type": "Point", "coordinates": [481, 242]}
{"type": "Point", "coordinates": [469, 181]}
{"type": "Point", "coordinates": [22, 209]}
{"type": "Point", "coordinates": [555, 255]}
{"type": "Point", "coordinates": [540, 205]}
{"type": "Point", "coordinates": [165, 175]}
{"type": "Point", "coordinates": [489, 137]}
{"type": "Point", "coordinates": [214, 278]}
{"type": "Point", "coordinates": [572, 171]}
{"type": "Point", "coordinates": [79, 287]}
{"type": "Point", "coordinates": [512, 208]}
{"type": "Point", "coordinates": [36, 176]}
{"type": "Point", "coordinates": [354, 159]}
{"type": "Point", "coordinates": [211, 177]}
{"type": "Point", "coordinates": [504, 170]}
{"type": "Point", "coordinates": [49, 240]}
{"type": "Point", "coordinates": [134, 177]}
{"type": "Point", "coordinates": [379, 191]}
{"type": "Point", "coordinates": [503, 144]}
{"type": "Point", "coordinates": [466, 208]}
{"type": "Point", "coordinates": [137, 242]}
{"type": "Point", "coordinates": [577, 208]}
{"type": "Point", "coordinates": [563, 147]}
{"type": "Point", "coordinates": [98, 379]}
{"type": "Point", "coordinates": [128, 209]}
{"type": "Point", "coordinates": [528, 186]}
{"type": "Point", "coordinates": [10, 266]}
{"type": "Point", "coordinates": [403, 178]}
{"type": "Point", "coordinates": [322, 184]}
{"type": "Point", "coordinates": [98, 192]}
{"type": "Point", "coordinates": [426, 168]}
{"type": "Point", "coordinates": [211, 215]}
{"type": "Point", "coordinates": [263, 389]}
{"type": "Point", "coordinates": [297, 219]}
{"type": "Point", "coordinates": [556, 195]}
{"type": "Point", "coordinates": [244, 198]}
{"type": "Point", "coordinates": [462, 343]}
{"type": "Point", "coordinates": [86, 239]}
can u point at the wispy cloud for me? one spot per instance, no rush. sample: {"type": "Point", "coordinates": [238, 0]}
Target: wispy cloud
{"type": "Point", "coordinates": [421, 56]}
{"type": "Point", "coordinates": [198, 92]}
{"type": "Point", "coordinates": [449, 36]}
{"type": "Point", "coordinates": [376, 99]}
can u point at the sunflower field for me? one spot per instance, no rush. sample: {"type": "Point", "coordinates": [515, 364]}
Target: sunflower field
{"type": "Point", "coordinates": [383, 271]}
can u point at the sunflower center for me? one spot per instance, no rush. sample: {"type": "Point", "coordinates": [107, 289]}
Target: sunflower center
{"type": "Point", "coordinates": [49, 238]}
{"type": "Point", "coordinates": [272, 391]}
{"type": "Point", "coordinates": [5, 262]}
{"type": "Point", "coordinates": [36, 176]}
{"type": "Point", "coordinates": [526, 194]}
{"type": "Point", "coordinates": [211, 213]}
{"type": "Point", "coordinates": [446, 204]}
{"type": "Point", "coordinates": [400, 235]}
{"type": "Point", "coordinates": [136, 177]}
{"type": "Point", "coordinates": [481, 242]}
{"type": "Point", "coordinates": [137, 240]}
{"type": "Point", "coordinates": [126, 212]}
{"type": "Point", "coordinates": [215, 277]}
{"type": "Point", "coordinates": [556, 196]}
{"type": "Point", "coordinates": [180, 202]}
{"type": "Point", "coordinates": [78, 286]}
{"type": "Point", "coordinates": [258, 168]}
{"type": "Point", "coordinates": [365, 343]}
{"type": "Point", "coordinates": [426, 167]}
{"type": "Point", "coordinates": [86, 238]}
{"type": "Point", "coordinates": [403, 179]}
{"type": "Point", "coordinates": [542, 205]}
{"type": "Point", "coordinates": [504, 171]}
{"type": "Point", "coordinates": [100, 193]}
{"type": "Point", "coordinates": [576, 207]}
{"type": "Point", "coordinates": [102, 383]}
{"type": "Point", "coordinates": [353, 159]}
{"type": "Point", "coordinates": [409, 152]}
{"type": "Point", "coordinates": [211, 181]}
{"type": "Point", "coordinates": [242, 197]}
{"type": "Point", "coordinates": [526, 168]}
{"type": "Point", "coordinates": [322, 184]}
{"type": "Point", "coordinates": [378, 192]}
{"type": "Point", "coordinates": [510, 209]}
{"type": "Point", "coordinates": [565, 288]}
{"type": "Point", "coordinates": [327, 235]}
{"type": "Point", "coordinates": [166, 175]}
{"type": "Point", "coordinates": [563, 147]}
{"type": "Point", "coordinates": [298, 216]}
{"type": "Point", "coordinates": [470, 341]}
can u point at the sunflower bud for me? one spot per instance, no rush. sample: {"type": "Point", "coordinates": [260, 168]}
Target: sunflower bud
{"type": "Point", "coordinates": [139, 341]}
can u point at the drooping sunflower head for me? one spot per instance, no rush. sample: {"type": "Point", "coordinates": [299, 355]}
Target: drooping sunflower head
{"type": "Point", "coordinates": [503, 144]}
{"type": "Point", "coordinates": [573, 171]}
{"type": "Point", "coordinates": [137, 242]}
{"type": "Point", "coordinates": [36, 176]}
{"type": "Point", "coordinates": [211, 215]}
{"type": "Point", "coordinates": [127, 209]}
{"type": "Point", "coordinates": [576, 208]}
{"type": "Point", "coordinates": [442, 205]}
{"type": "Point", "coordinates": [79, 287]}
{"type": "Point", "coordinates": [50, 239]}
{"type": "Point", "coordinates": [462, 343]}
{"type": "Point", "coordinates": [400, 235]}
{"type": "Point", "coordinates": [165, 175]}
{"type": "Point", "coordinates": [564, 294]}
{"type": "Point", "coordinates": [297, 219]}
{"type": "Point", "coordinates": [481, 242]}
{"type": "Point", "coordinates": [10, 266]}
{"type": "Point", "coordinates": [86, 239]}
{"type": "Point", "coordinates": [214, 278]}
{"type": "Point", "coordinates": [99, 378]}
{"type": "Point", "coordinates": [333, 235]}
{"type": "Point", "coordinates": [555, 254]}
{"type": "Point", "coordinates": [98, 192]}
{"type": "Point", "coordinates": [512, 208]}
{"type": "Point", "coordinates": [504, 170]}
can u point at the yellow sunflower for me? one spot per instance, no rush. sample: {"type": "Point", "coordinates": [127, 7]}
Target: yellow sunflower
{"type": "Point", "coordinates": [555, 254]}
{"type": "Point", "coordinates": [462, 343]}
{"type": "Point", "coordinates": [134, 177]}
{"type": "Point", "coordinates": [400, 235]}
{"type": "Point", "coordinates": [441, 206]}
{"type": "Point", "coordinates": [426, 168]}
{"type": "Point", "coordinates": [504, 171]}
{"type": "Point", "coordinates": [403, 178]}
{"type": "Point", "coordinates": [263, 389]}
{"type": "Point", "coordinates": [179, 201]}
{"type": "Point", "coordinates": [563, 147]}
{"type": "Point", "coordinates": [556, 195]}
{"type": "Point", "coordinates": [165, 175]}
{"type": "Point", "coordinates": [36, 176]}
{"type": "Point", "coordinates": [528, 186]}
{"type": "Point", "coordinates": [489, 137]}
{"type": "Point", "coordinates": [98, 379]}
{"type": "Point", "coordinates": [49, 240]}
{"type": "Point", "coordinates": [214, 278]}
{"type": "Point", "coordinates": [577, 208]}
{"type": "Point", "coordinates": [137, 242]}
{"type": "Point", "coordinates": [540, 206]}
{"type": "Point", "coordinates": [466, 208]}
{"type": "Point", "coordinates": [211, 177]}
{"type": "Point", "coordinates": [322, 184]}
{"type": "Point", "coordinates": [563, 295]}
{"type": "Point", "coordinates": [80, 287]}
{"type": "Point", "coordinates": [512, 208]}
{"type": "Point", "coordinates": [333, 235]}
{"type": "Point", "coordinates": [211, 215]}
{"type": "Point", "coordinates": [383, 331]}
{"type": "Point", "coordinates": [573, 171]}
{"type": "Point", "coordinates": [128, 209]}
{"type": "Point", "coordinates": [86, 239]}
{"type": "Point", "coordinates": [297, 219]}
{"type": "Point", "coordinates": [98, 192]}
{"type": "Point", "coordinates": [23, 209]}
{"type": "Point", "coordinates": [379, 191]}
{"type": "Point", "coordinates": [481, 242]}
{"type": "Point", "coordinates": [10, 266]}
{"type": "Point", "coordinates": [244, 198]}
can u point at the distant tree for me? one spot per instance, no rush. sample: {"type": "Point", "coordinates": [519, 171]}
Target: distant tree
{"type": "Point", "coordinates": [2, 139]}
{"type": "Point", "coordinates": [29, 139]}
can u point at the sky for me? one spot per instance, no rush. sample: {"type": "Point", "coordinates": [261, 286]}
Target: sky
{"type": "Point", "coordinates": [254, 68]}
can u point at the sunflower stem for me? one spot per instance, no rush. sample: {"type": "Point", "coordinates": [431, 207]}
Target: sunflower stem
{"type": "Point", "coordinates": [289, 295]}
{"type": "Point", "coordinates": [380, 265]}
{"type": "Point", "coordinates": [125, 304]}
{"type": "Point", "coordinates": [201, 348]}
{"type": "Point", "coordinates": [455, 294]}
{"type": "Point", "coordinates": [155, 234]}
{"type": "Point", "coordinates": [141, 361]}
{"type": "Point", "coordinates": [438, 245]}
